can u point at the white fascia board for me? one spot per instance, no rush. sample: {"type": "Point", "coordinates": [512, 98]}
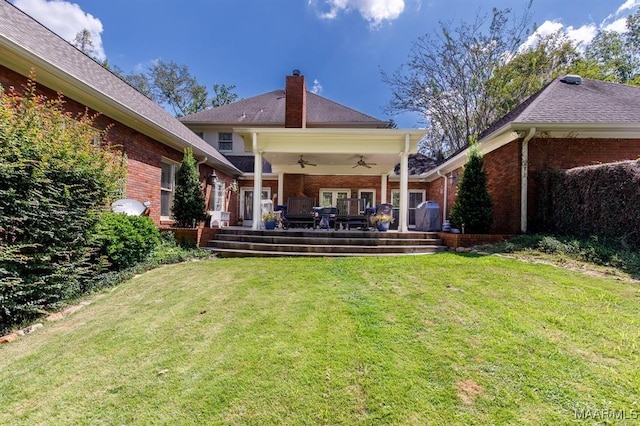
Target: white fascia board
{"type": "Point", "coordinates": [486, 146]}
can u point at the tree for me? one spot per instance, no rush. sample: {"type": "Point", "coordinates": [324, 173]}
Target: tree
{"type": "Point", "coordinates": [223, 95]}
{"type": "Point", "coordinates": [530, 69]}
{"type": "Point", "coordinates": [188, 202]}
{"type": "Point", "coordinates": [448, 78]}
{"type": "Point", "coordinates": [171, 84]}
{"type": "Point", "coordinates": [473, 210]}
{"type": "Point", "coordinates": [84, 42]}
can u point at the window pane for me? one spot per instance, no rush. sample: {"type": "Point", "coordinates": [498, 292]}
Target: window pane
{"type": "Point", "coordinates": [225, 141]}
{"type": "Point", "coordinates": [167, 177]}
{"type": "Point", "coordinates": [165, 203]}
{"type": "Point", "coordinates": [326, 199]}
{"type": "Point", "coordinates": [415, 198]}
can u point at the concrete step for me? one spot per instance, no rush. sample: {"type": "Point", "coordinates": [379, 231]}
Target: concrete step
{"type": "Point", "coordinates": [326, 240]}
{"type": "Point", "coordinates": [322, 248]}
{"type": "Point", "coordinates": [310, 233]}
{"type": "Point", "coordinates": [252, 253]}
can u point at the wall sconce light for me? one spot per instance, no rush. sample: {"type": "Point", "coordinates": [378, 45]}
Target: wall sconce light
{"type": "Point", "coordinates": [212, 178]}
{"type": "Point", "coordinates": [453, 178]}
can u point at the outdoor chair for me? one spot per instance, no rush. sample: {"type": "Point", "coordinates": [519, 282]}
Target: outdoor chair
{"type": "Point", "coordinates": [300, 212]}
{"type": "Point", "coordinates": [352, 212]}
{"type": "Point", "coordinates": [325, 217]}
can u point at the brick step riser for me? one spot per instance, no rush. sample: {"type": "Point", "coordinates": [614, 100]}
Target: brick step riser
{"type": "Point", "coordinates": [332, 234]}
{"type": "Point", "coordinates": [324, 249]}
{"type": "Point", "coordinates": [325, 241]}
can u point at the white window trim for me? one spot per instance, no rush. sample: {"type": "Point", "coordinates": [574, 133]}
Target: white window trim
{"type": "Point", "coordinates": [225, 141]}
{"type": "Point", "coordinates": [174, 169]}
{"type": "Point", "coordinates": [334, 197]}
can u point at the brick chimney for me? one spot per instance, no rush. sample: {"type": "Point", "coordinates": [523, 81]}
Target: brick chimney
{"type": "Point", "coordinates": [295, 114]}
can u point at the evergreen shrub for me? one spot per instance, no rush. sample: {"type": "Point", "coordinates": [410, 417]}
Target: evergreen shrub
{"type": "Point", "coordinates": [188, 201]}
{"type": "Point", "coordinates": [473, 209]}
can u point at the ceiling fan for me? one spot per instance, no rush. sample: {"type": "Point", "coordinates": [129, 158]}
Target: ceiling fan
{"type": "Point", "coordinates": [304, 162]}
{"type": "Point", "coordinates": [363, 163]}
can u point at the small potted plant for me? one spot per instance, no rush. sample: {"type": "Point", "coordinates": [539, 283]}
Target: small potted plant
{"type": "Point", "coordinates": [270, 220]}
{"type": "Point", "coordinates": [382, 221]}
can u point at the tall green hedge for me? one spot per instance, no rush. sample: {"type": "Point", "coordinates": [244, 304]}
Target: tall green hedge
{"type": "Point", "coordinates": [55, 181]}
{"type": "Point", "coordinates": [601, 200]}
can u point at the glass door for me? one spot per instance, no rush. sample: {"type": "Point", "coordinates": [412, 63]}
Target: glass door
{"type": "Point", "coordinates": [329, 197]}
{"type": "Point", "coordinates": [416, 196]}
{"type": "Point", "coordinates": [246, 204]}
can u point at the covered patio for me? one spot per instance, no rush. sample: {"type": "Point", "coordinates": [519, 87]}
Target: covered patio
{"type": "Point", "coordinates": [333, 152]}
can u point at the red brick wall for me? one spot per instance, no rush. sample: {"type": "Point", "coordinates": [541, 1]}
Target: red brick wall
{"type": "Point", "coordinates": [143, 153]}
{"type": "Point", "coordinates": [503, 167]}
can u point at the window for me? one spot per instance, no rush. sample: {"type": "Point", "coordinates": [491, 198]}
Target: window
{"type": "Point", "coordinates": [225, 141]}
{"type": "Point", "coordinates": [369, 195]}
{"type": "Point", "coordinates": [217, 196]}
{"type": "Point", "coordinates": [167, 186]}
{"type": "Point", "coordinates": [329, 197]}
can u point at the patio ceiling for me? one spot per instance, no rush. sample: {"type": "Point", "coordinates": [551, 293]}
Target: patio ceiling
{"type": "Point", "coordinates": [334, 151]}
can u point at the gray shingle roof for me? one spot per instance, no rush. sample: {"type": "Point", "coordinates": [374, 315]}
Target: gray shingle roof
{"type": "Point", "coordinates": [31, 39]}
{"type": "Point", "coordinates": [268, 109]}
{"type": "Point", "coordinates": [593, 101]}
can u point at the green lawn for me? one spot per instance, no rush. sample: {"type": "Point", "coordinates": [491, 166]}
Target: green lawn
{"type": "Point", "coordinates": [442, 339]}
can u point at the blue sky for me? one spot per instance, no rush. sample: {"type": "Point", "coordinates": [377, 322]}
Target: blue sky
{"type": "Point", "coordinates": [341, 45]}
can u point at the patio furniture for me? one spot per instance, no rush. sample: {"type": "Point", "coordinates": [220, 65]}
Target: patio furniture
{"type": "Point", "coordinates": [300, 212]}
{"type": "Point", "coordinates": [352, 212]}
{"type": "Point", "coordinates": [325, 217]}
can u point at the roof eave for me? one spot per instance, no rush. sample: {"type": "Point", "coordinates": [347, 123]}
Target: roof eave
{"type": "Point", "coordinates": [22, 60]}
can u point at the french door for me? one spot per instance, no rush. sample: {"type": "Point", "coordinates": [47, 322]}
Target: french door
{"type": "Point", "coordinates": [416, 196]}
{"type": "Point", "coordinates": [246, 204]}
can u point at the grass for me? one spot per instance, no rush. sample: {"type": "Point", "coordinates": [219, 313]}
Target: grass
{"type": "Point", "coordinates": [443, 339]}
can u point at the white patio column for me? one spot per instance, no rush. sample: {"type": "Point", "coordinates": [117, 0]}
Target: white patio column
{"type": "Point", "coordinates": [280, 199]}
{"type": "Point", "coordinates": [383, 189]}
{"type": "Point", "coordinates": [257, 185]}
{"type": "Point", "coordinates": [404, 186]}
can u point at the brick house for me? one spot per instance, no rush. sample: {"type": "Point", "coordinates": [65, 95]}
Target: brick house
{"type": "Point", "coordinates": [293, 142]}
{"type": "Point", "coordinates": [571, 122]}
{"type": "Point", "coordinates": [152, 139]}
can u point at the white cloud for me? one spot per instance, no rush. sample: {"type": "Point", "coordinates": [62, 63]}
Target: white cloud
{"type": "Point", "coordinates": [584, 34]}
{"type": "Point", "coordinates": [65, 19]}
{"type": "Point", "coordinates": [317, 87]}
{"type": "Point", "coordinates": [374, 11]}
{"type": "Point", "coordinates": [628, 5]}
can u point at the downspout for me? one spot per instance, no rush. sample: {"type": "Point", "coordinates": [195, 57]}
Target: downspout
{"type": "Point", "coordinates": [524, 177]}
{"type": "Point", "coordinates": [446, 195]}
{"type": "Point", "coordinates": [204, 160]}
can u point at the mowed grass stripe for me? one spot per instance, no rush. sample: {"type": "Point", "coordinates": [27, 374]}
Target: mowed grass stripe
{"type": "Point", "coordinates": [415, 340]}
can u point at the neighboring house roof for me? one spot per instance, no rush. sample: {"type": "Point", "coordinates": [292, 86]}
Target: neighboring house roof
{"type": "Point", "coordinates": [268, 110]}
{"type": "Point", "coordinates": [418, 164]}
{"type": "Point", "coordinates": [246, 163]}
{"type": "Point", "coordinates": [25, 43]}
{"type": "Point", "coordinates": [591, 102]}
{"type": "Point", "coordinates": [592, 108]}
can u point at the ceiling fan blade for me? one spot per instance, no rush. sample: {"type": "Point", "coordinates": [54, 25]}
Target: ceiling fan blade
{"type": "Point", "coordinates": [367, 166]}
{"type": "Point", "coordinates": [311, 164]}
{"type": "Point", "coordinates": [302, 165]}
{"type": "Point", "coordinates": [355, 166]}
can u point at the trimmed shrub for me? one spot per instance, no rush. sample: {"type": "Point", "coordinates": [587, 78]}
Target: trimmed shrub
{"type": "Point", "coordinates": [55, 182]}
{"type": "Point", "coordinates": [188, 202]}
{"type": "Point", "coordinates": [122, 241]}
{"type": "Point", "coordinates": [473, 209]}
{"type": "Point", "coordinates": [602, 200]}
